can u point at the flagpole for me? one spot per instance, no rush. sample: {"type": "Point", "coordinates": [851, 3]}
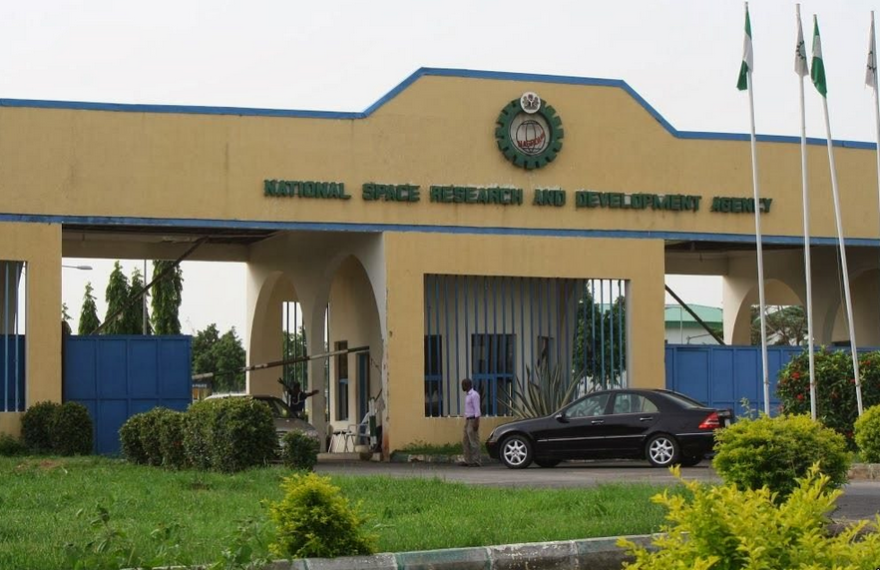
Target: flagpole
{"type": "Point", "coordinates": [761, 300]}
{"type": "Point", "coordinates": [801, 59]}
{"type": "Point", "coordinates": [846, 290]}
{"type": "Point", "coordinates": [872, 70]}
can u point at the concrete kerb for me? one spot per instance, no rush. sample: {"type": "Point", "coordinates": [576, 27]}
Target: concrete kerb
{"type": "Point", "coordinates": [864, 472]}
{"type": "Point", "coordinates": [592, 554]}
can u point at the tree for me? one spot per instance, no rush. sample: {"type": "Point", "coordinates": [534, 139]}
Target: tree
{"type": "Point", "coordinates": [786, 325]}
{"type": "Point", "coordinates": [134, 311]}
{"type": "Point", "coordinates": [224, 356]}
{"type": "Point", "coordinates": [167, 296]}
{"type": "Point", "coordinates": [598, 352]}
{"type": "Point", "coordinates": [293, 346]}
{"type": "Point", "coordinates": [88, 315]}
{"type": "Point", "coordinates": [117, 295]}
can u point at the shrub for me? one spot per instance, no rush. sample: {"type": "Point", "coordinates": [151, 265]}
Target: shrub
{"type": "Point", "coordinates": [724, 527]}
{"type": "Point", "coordinates": [242, 434]}
{"type": "Point", "coordinates": [151, 434]}
{"type": "Point", "coordinates": [71, 430]}
{"type": "Point", "coordinates": [867, 434]}
{"type": "Point", "coordinates": [130, 439]}
{"type": "Point", "coordinates": [171, 439]}
{"type": "Point", "coordinates": [835, 388]}
{"type": "Point", "coordinates": [36, 427]}
{"type": "Point", "coordinates": [197, 433]}
{"type": "Point", "coordinates": [299, 451]}
{"type": "Point", "coordinates": [777, 451]}
{"type": "Point", "coordinates": [314, 520]}
{"type": "Point", "coordinates": [11, 446]}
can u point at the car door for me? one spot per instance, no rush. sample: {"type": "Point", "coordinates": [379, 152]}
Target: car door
{"type": "Point", "coordinates": [579, 428]}
{"type": "Point", "coordinates": [631, 416]}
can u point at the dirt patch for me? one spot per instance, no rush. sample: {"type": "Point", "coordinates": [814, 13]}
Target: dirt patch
{"type": "Point", "coordinates": [43, 464]}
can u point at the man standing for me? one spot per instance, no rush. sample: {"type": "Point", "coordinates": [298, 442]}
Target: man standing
{"type": "Point", "coordinates": [471, 439]}
{"type": "Point", "coordinates": [298, 399]}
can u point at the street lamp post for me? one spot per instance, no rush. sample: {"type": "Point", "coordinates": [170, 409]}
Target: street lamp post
{"type": "Point", "coordinates": [80, 267]}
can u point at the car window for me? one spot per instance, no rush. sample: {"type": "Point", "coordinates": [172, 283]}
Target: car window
{"type": "Point", "coordinates": [589, 406]}
{"type": "Point", "coordinates": [683, 400]}
{"type": "Point", "coordinates": [632, 404]}
{"type": "Point", "coordinates": [279, 410]}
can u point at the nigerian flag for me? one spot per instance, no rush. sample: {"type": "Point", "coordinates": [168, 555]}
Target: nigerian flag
{"type": "Point", "coordinates": [747, 65]}
{"type": "Point", "coordinates": [817, 72]}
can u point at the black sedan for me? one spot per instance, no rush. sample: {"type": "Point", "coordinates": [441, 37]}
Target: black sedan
{"type": "Point", "coordinates": [663, 426]}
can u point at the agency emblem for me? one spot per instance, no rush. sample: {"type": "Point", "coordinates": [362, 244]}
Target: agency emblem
{"type": "Point", "coordinates": [528, 132]}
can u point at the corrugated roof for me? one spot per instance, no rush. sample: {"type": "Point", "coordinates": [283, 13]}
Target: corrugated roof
{"type": "Point", "coordinates": [676, 315]}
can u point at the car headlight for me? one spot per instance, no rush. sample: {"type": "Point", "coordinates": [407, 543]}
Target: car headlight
{"type": "Point", "coordinates": [492, 436]}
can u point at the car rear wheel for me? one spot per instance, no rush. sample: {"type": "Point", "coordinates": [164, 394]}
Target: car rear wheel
{"type": "Point", "coordinates": [662, 450]}
{"type": "Point", "coordinates": [516, 452]}
{"type": "Point", "coordinates": [547, 462]}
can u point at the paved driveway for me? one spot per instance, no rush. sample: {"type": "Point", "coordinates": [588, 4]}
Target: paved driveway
{"type": "Point", "coordinates": [861, 499]}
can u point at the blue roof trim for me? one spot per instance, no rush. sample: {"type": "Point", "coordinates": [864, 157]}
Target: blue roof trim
{"type": "Point", "coordinates": [422, 72]}
{"type": "Point", "coordinates": [209, 224]}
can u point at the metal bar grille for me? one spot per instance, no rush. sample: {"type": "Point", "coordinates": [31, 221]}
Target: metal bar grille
{"type": "Point", "coordinates": [12, 336]}
{"type": "Point", "coordinates": [499, 330]}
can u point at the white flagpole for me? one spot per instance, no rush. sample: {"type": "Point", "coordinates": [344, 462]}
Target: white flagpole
{"type": "Point", "coordinates": [800, 68]}
{"type": "Point", "coordinates": [871, 79]}
{"type": "Point", "coordinates": [761, 301]}
{"type": "Point", "coordinates": [844, 270]}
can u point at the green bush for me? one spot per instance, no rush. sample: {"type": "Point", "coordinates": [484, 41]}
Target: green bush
{"type": "Point", "coordinates": [71, 430]}
{"type": "Point", "coordinates": [314, 520]}
{"type": "Point", "coordinates": [299, 451]}
{"type": "Point", "coordinates": [36, 424]}
{"type": "Point", "coordinates": [777, 451]}
{"type": "Point", "coordinates": [151, 434]}
{"type": "Point", "coordinates": [197, 428]}
{"type": "Point", "coordinates": [835, 388]}
{"type": "Point", "coordinates": [242, 434]}
{"type": "Point", "coordinates": [130, 439]}
{"type": "Point", "coordinates": [728, 528]}
{"type": "Point", "coordinates": [867, 433]}
{"type": "Point", "coordinates": [171, 439]}
{"type": "Point", "coordinates": [10, 446]}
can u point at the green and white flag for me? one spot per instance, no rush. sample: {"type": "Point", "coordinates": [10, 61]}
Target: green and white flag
{"type": "Point", "coordinates": [871, 71]}
{"type": "Point", "coordinates": [747, 65]}
{"type": "Point", "coordinates": [818, 68]}
{"type": "Point", "coordinates": [800, 51]}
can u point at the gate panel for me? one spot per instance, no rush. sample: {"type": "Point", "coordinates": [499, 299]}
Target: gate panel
{"type": "Point", "coordinates": [722, 376]}
{"type": "Point", "coordinates": [115, 377]}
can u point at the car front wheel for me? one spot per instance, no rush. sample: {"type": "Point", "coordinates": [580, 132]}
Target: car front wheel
{"type": "Point", "coordinates": [662, 450]}
{"type": "Point", "coordinates": [516, 452]}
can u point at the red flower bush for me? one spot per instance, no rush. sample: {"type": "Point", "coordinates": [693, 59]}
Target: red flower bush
{"type": "Point", "coordinates": [835, 387]}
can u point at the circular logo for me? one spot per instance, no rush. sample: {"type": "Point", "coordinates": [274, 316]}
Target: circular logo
{"type": "Point", "coordinates": [529, 133]}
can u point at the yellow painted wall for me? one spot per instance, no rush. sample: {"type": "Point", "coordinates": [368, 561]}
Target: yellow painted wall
{"type": "Point", "coordinates": [439, 130]}
{"type": "Point", "coordinates": [40, 246]}
{"type": "Point", "coordinates": [412, 255]}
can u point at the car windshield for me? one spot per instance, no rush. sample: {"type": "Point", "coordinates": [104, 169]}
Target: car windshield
{"type": "Point", "coordinates": [278, 407]}
{"type": "Point", "coordinates": [683, 400]}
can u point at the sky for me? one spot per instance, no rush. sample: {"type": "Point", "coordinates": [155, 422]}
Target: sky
{"type": "Point", "coordinates": [681, 56]}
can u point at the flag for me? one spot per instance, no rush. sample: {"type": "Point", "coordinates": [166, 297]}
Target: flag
{"type": "Point", "coordinates": [871, 71]}
{"type": "Point", "coordinates": [800, 51]}
{"type": "Point", "coordinates": [747, 65]}
{"type": "Point", "coordinates": [818, 68]}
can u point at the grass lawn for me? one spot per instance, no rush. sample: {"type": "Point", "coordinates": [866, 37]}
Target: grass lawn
{"type": "Point", "coordinates": [40, 499]}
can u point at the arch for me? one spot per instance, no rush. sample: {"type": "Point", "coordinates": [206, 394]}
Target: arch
{"type": "Point", "coordinates": [354, 319]}
{"type": "Point", "coordinates": [776, 292]}
{"type": "Point", "coordinates": [264, 338]}
{"type": "Point", "coordinates": [865, 290]}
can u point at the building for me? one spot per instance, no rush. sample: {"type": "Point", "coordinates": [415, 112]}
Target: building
{"type": "Point", "coordinates": [462, 225]}
{"type": "Point", "coordinates": [683, 328]}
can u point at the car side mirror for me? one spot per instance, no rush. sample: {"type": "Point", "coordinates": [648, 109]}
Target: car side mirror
{"type": "Point", "coordinates": [560, 417]}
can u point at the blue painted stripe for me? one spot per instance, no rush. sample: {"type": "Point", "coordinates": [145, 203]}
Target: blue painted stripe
{"type": "Point", "coordinates": [402, 86]}
{"type": "Point", "coordinates": [208, 224]}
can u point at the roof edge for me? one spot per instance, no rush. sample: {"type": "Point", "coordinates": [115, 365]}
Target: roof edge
{"type": "Point", "coordinates": [402, 86]}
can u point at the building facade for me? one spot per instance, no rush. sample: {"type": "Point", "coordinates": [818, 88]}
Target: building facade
{"type": "Point", "coordinates": [461, 226]}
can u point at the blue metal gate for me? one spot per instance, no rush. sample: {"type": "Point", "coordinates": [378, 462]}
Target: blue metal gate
{"type": "Point", "coordinates": [116, 377]}
{"type": "Point", "coordinates": [722, 376]}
